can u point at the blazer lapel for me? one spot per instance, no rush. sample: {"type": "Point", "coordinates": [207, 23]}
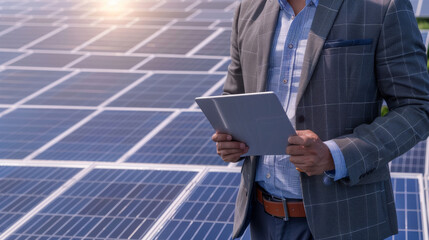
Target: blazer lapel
{"type": "Point", "coordinates": [324, 18]}
{"type": "Point", "coordinates": [266, 31]}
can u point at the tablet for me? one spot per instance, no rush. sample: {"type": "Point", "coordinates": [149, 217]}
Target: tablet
{"type": "Point", "coordinates": [257, 119]}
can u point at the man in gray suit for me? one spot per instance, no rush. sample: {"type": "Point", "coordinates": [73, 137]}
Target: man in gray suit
{"type": "Point", "coordinates": [331, 63]}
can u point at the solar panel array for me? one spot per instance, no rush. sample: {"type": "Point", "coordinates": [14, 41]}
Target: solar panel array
{"type": "Point", "coordinates": [100, 135]}
{"type": "Point", "coordinates": [421, 8]}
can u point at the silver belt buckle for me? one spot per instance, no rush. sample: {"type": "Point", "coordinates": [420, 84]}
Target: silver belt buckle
{"type": "Point", "coordinates": [286, 218]}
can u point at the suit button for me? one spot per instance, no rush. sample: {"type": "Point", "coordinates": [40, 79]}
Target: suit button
{"type": "Point", "coordinates": [301, 119]}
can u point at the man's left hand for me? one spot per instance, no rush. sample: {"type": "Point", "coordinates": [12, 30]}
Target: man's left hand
{"type": "Point", "coordinates": [309, 154]}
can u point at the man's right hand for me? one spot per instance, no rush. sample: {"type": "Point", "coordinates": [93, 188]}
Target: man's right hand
{"type": "Point", "coordinates": [228, 150]}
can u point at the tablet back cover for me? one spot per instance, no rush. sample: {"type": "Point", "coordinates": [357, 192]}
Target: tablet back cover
{"type": "Point", "coordinates": [257, 119]}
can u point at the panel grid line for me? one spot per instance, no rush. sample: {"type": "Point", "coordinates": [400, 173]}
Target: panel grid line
{"type": "Point", "coordinates": [46, 201]}
{"type": "Point", "coordinates": [175, 206]}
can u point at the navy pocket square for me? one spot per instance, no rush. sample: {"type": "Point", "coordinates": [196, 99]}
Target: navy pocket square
{"type": "Point", "coordinates": [347, 43]}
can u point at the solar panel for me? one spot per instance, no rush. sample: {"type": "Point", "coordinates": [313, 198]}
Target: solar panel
{"type": "Point", "coordinates": [23, 35]}
{"type": "Point", "coordinates": [40, 12]}
{"type": "Point", "coordinates": [86, 89]}
{"type": "Point", "coordinates": [6, 56]}
{"type": "Point", "coordinates": [208, 212]}
{"type": "Point", "coordinates": [224, 66]}
{"type": "Point", "coordinates": [159, 14]}
{"type": "Point", "coordinates": [186, 140]}
{"type": "Point", "coordinates": [18, 84]}
{"type": "Point", "coordinates": [22, 188]}
{"type": "Point", "coordinates": [412, 161]}
{"type": "Point", "coordinates": [167, 91]}
{"type": "Point", "coordinates": [149, 22]}
{"type": "Point", "coordinates": [69, 38]}
{"type": "Point", "coordinates": [46, 60]}
{"type": "Point", "coordinates": [4, 27]}
{"type": "Point", "coordinates": [208, 14]}
{"type": "Point", "coordinates": [179, 64]}
{"type": "Point", "coordinates": [10, 11]}
{"type": "Point", "coordinates": [193, 23]}
{"type": "Point", "coordinates": [408, 208]}
{"type": "Point", "coordinates": [10, 19]}
{"type": "Point", "coordinates": [25, 130]}
{"type": "Point", "coordinates": [42, 20]}
{"type": "Point", "coordinates": [175, 5]}
{"type": "Point", "coordinates": [78, 21]}
{"type": "Point", "coordinates": [108, 204]}
{"type": "Point", "coordinates": [221, 5]}
{"type": "Point", "coordinates": [120, 40]}
{"type": "Point", "coordinates": [424, 9]}
{"type": "Point", "coordinates": [217, 45]}
{"type": "Point", "coordinates": [106, 137]}
{"type": "Point", "coordinates": [175, 41]}
{"type": "Point", "coordinates": [108, 62]}
{"type": "Point", "coordinates": [225, 24]}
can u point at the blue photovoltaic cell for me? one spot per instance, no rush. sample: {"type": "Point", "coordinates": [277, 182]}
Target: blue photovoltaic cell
{"type": "Point", "coordinates": [175, 41]}
{"type": "Point", "coordinates": [208, 212]}
{"type": "Point", "coordinates": [108, 62]}
{"type": "Point", "coordinates": [86, 89]}
{"type": "Point", "coordinates": [224, 67]}
{"type": "Point", "coordinates": [219, 5]}
{"type": "Point", "coordinates": [218, 91]}
{"type": "Point", "coordinates": [23, 35]}
{"type": "Point", "coordinates": [18, 84]}
{"type": "Point", "coordinates": [145, 14]}
{"type": "Point", "coordinates": [120, 40]}
{"type": "Point", "coordinates": [179, 64]}
{"type": "Point", "coordinates": [106, 137]}
{"type": "Point", "coordinates": [7, 56]}
{"type": "Point", "coordinates": [414, 3]}
{"type": "Point", "coordinates": [208, 14]}
{"type": "Point", "coordinates": [25, 130]}
{"type": "Point", "coordinates": [227, 24]}
{"type": "Point", "coordinates": [167, 91]}
{"type": "Point", "coordinates": [69, 38]}
{"type": "Point", "coordinates": [108, 204]}
{"type": "Point", "coordinates": [186, 140]}
{"type": "Point", "coordinates": [407, 201]}
{"type": "Point", "coordinates": [4, 27]}
{"type": "Point", "coordinates": [411, 161]}
{"type": "Point", "coordinates": [425, 9]}
{"type": "Point", "coordinates": [46, 60]}
{"type": "Point", "coordinates": [22, 188]}
{"type": "Point", "coordinates": [217, 46]}
{"type": "Point", "coordinates": [425, 36]}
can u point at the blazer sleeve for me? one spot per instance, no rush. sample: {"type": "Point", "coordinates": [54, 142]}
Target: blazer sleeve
{"type": "Point", "coordinates": [402, 78]}
{"type": "Point", "coordinates": [234, 80]}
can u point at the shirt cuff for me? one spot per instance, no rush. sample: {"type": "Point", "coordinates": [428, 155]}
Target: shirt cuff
{"type": "Point", "coordinates": [340, 170]}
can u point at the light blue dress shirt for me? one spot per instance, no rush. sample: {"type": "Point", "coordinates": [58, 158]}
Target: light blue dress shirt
{"type": "Point", "coordinates": [275, 173]}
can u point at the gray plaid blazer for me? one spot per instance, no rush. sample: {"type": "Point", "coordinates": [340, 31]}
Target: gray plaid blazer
{"type": "Point", "coordinates": [359, 52]}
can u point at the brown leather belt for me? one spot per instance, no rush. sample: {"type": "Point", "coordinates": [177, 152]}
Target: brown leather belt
{"type": "Point", "coordinates": [277, 209]}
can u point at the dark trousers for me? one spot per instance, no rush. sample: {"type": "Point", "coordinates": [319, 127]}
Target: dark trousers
{"type": "Point", "coordinates": [266, 227]}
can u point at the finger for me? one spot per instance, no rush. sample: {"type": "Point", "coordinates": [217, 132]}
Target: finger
{"type": "Point", "coordinates": [226, 152]}
{"type": "Point", "coordinates": [296, 140]}
{"type": "Point", "coordinates": [298, 160]}
{"type": "Point", "coordinates": [296, 150]}
{"type": "Point", "coordinates": [219, 137]}
{"type": "Point", "coordinates": [230, 145]}
{"type": "Point", "coordinates": [233, 157]}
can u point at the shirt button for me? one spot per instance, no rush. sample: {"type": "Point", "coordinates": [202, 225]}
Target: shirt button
{"type": "Point", "coordinates": [284, 80]}
{"type": "Point", "coordinates": [290, 46]}
{"type": "Point", "coordinates": [293, 17]}
{"type": "Point", "coordinates": [268, 175]}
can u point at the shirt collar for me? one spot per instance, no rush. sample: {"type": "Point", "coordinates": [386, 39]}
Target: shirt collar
{"type": "Point", "coordinates": [315, 2]}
